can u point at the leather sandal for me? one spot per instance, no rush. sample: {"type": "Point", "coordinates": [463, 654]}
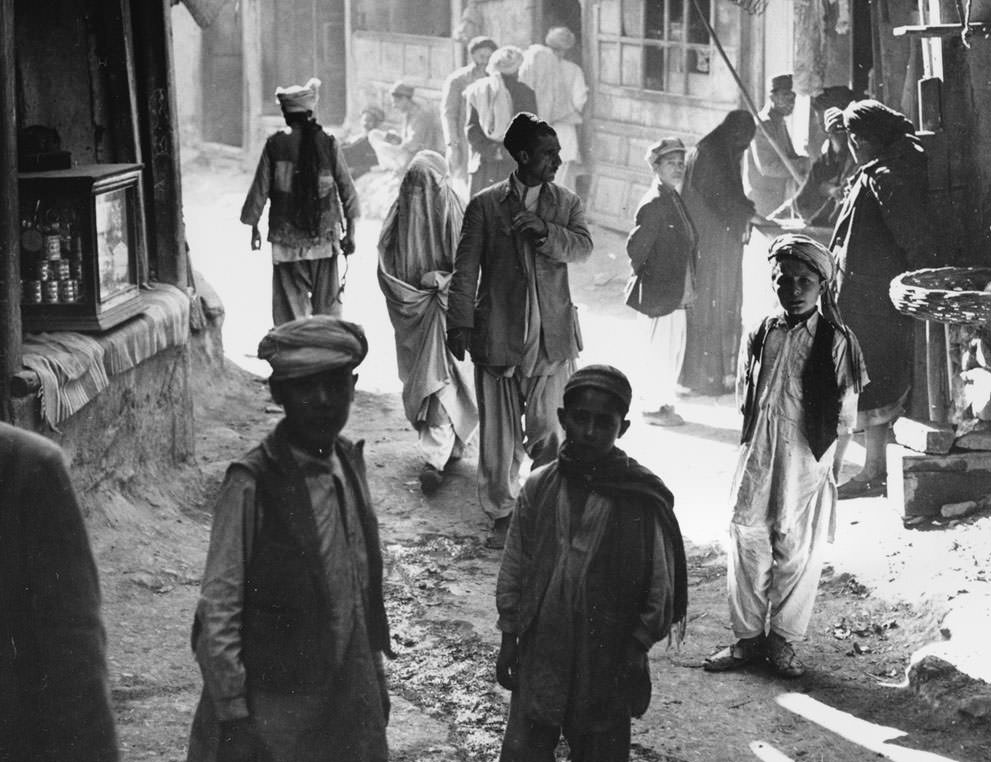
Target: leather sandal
{"type": "Point", "coordinates": [743, 652]}
{"type": "Point", "coordinates": [781, 656]}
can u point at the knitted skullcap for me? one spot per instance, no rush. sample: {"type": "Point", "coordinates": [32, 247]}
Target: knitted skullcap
{"type": "Point", "coordinates": [312, 345]}
{"type": "Point", "coordinates": [603, 377]}
{"type": "Point", "coordinates": [481, 42]}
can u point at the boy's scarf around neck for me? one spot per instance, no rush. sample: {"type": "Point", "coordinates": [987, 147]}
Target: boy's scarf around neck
{"type": "Point", "coordinates": [619, 476]}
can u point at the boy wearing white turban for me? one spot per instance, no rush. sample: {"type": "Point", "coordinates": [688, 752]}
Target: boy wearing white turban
{"type": "Point", "coordinates": [291, 606]}
{"type": "Point", "coordinates": [798, 384]}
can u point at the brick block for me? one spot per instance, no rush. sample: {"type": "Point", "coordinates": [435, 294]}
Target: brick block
{"type": "Point", "coordinates": [924, 436]}
{"type": "Point", "coordinates": [919, 484]}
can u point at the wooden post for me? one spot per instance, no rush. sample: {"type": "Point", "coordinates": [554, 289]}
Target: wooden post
{"type": "Point", "coordinates": [10, 233]}
{"type": "Point", "coordinates": [160, 139]}
{"type": "Point", "coordinates": [251, 81]}
{"type": "Point", "coordinates": [936, 376]}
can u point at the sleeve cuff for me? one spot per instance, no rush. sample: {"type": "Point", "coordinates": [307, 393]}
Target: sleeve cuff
{"type": "Point", "coordinates": [640, 636]}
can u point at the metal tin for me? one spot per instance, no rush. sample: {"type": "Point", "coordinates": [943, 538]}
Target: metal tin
{"type": "Point", "coordinates": [53, 246]}
{"type": "Point", "coordinates": [50, 292]}
{"type": "Point", "coordinates": [67, 291]}
{"type": "Point", "coordinates": [31, 291]}
{"type": "Point", "coordinates": [63, 268]}
{"type": "Point", "coordinates": [43, 271]}
{"type": "Point", "coordinates": [76, 270]}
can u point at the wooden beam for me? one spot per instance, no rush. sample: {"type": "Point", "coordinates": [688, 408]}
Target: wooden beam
{"type": "Point", "coordinates": [941, 30]}
{"type": "Point", "coordinates": [156, 105]}
{"type": "Point", "coordinates": [10, 234]}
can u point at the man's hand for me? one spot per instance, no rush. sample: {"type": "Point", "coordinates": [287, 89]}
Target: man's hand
{"type": "Point", "coordinates": [256, 238]}
{"type": "Point", "coordinates": [508, 662]}
{"type": "Point", "coordinates": [392, 138]}
{"type": "Point", "coordinates": [528, 223]}
{"type": "Point", "coordinates": [238, 743]}
{"type": "Point", "coordinates": [457, 342]}
{"type": "Point", "coordinates": [347, 244]}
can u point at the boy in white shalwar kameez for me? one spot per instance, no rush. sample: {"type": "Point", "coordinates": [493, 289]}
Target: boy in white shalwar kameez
{"type": "Point", "coordinates": [798, 384]}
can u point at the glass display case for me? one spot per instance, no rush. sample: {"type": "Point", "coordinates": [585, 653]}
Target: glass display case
{"type": "Point", "coordinates": [82, 247]}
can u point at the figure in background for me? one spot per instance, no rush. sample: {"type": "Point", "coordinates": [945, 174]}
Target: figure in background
{"type": "Point", "coordinates": [510, 302]}
{"type": "Point", "coordinates": [834, 96]}
{"type": "Point", "coordinates": [797, 389]}
{"type": "Point", "coordinates": [722, 214]}
{"type": "Point", "coordinates": [491, 103]}
{"type": "Point", "coordinates": [592, 576]}
{"type": "Point", "coordinates": [662, 248]}
{"type": "Point", "coordinates": [358, 152]}
{"type": "Point", "coordinates": [883, 230]}
{"type": "Point", "coordinates": [416, 263]}
{"type": "Point", "coordinates": [821, 195]}
{"type": "Point", "coordinates": [290, 629]}
{"type": "Point", "coordinates": [769, 183]}
{"type": "Point", "coordinates": [452, 98]}
{"type": "Point", "coordinates": [420, 130]}
{"type": "Point", "coordinates": [54, 697]}
{"type": "Point", "coordinates": [561, 92]}
{"type": "Point", "coordinates": [313, 207]}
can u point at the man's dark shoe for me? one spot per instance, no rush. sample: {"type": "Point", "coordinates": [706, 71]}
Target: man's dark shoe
{"type": "Point", "coordinates": [497, 540]}
{"type": "Point", "coordinates": [663, 416]}
{"type": "Point", "coordinates": [744, 651]}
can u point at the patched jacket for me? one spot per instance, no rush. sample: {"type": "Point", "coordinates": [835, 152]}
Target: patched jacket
{"type": "Point", "coordinates": [489, 288]}
{"type": "Point", "coordinates": [273, 182]}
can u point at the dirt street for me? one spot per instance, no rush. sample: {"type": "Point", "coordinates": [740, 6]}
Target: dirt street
{"type": "Point", "coordinates": [883, 595]}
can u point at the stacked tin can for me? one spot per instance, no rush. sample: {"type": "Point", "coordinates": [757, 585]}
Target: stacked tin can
{"type": "Point", "coordinates": [57, 272]}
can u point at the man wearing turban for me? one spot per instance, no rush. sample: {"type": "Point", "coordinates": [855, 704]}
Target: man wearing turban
{"type": "Point", "coordinates": [291, 606]}
{"type": "Point", "coordinates": [303, 176]}
{"type": "Point", "coordinates": [561, 93]}
{"type": "Point", "coordinates": [491, 103]}
{"type": "Point", "coordinates": [452, 99]}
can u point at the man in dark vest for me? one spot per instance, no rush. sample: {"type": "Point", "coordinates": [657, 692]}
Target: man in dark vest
{"type": "Point", "coordinates": [291, 629]}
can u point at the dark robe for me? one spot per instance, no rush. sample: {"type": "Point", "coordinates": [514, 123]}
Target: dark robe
{"type": "Point", "coordinates": [713, 194]}
{"type": "Point", "coordinates": [883, 230]}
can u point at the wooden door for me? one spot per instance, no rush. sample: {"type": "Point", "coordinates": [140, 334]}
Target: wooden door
{"type": "Point", "coordinates": [223, 79]}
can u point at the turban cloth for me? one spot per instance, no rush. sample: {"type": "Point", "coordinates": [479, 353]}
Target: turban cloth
{"type": "Point", "coordinates": [560, 38]}
{"type": "Point", "coordinates": [663, 148]}
{"type": "Point", "coordinates": [605, 378]}
{"type": "Point", "coordinates": [299, 98]}
{"type": "Point", "coordinates": [481, 42]}
{"type": "Point", "coordinates": [834, 96]}
{"type": "Point", "coordinates": [832, 120]}
{"type": "Point", "coordinates": [312, 345]}
{"type": "Point", "coordinates": [506, 60]}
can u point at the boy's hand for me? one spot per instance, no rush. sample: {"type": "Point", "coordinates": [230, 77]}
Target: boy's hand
{"type": "Point", "coordinates": [508, 662]}
{"type": "Point", "coordinates": [256, 238]}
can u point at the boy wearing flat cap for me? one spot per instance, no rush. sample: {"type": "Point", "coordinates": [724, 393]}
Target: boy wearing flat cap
{"type": "Point", "coordinates": [291, 629]}
{"type": "Point", "coordinates": [663, 248]}
{"type": "Point", "coordinates": [592, 576]}
{"type": "Point", "coordinates": [304, 178]}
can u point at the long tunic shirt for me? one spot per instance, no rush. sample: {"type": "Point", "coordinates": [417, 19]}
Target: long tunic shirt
{"type": "Point", "coordinates": [570, 647]}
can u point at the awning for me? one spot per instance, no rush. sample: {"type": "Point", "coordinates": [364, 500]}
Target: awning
{"type": "Point", "coordinates": [204, 12]}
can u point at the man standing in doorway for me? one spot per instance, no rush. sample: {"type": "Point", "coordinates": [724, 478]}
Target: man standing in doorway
{"type": "Point", "coordinates": [304, 175]}
{"type": "Point", "coordinates": [510, 304]}
{"type": "Point", "coordinates": [452, 99]}
{"type": "Point", "coordinates": [769, 183]}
